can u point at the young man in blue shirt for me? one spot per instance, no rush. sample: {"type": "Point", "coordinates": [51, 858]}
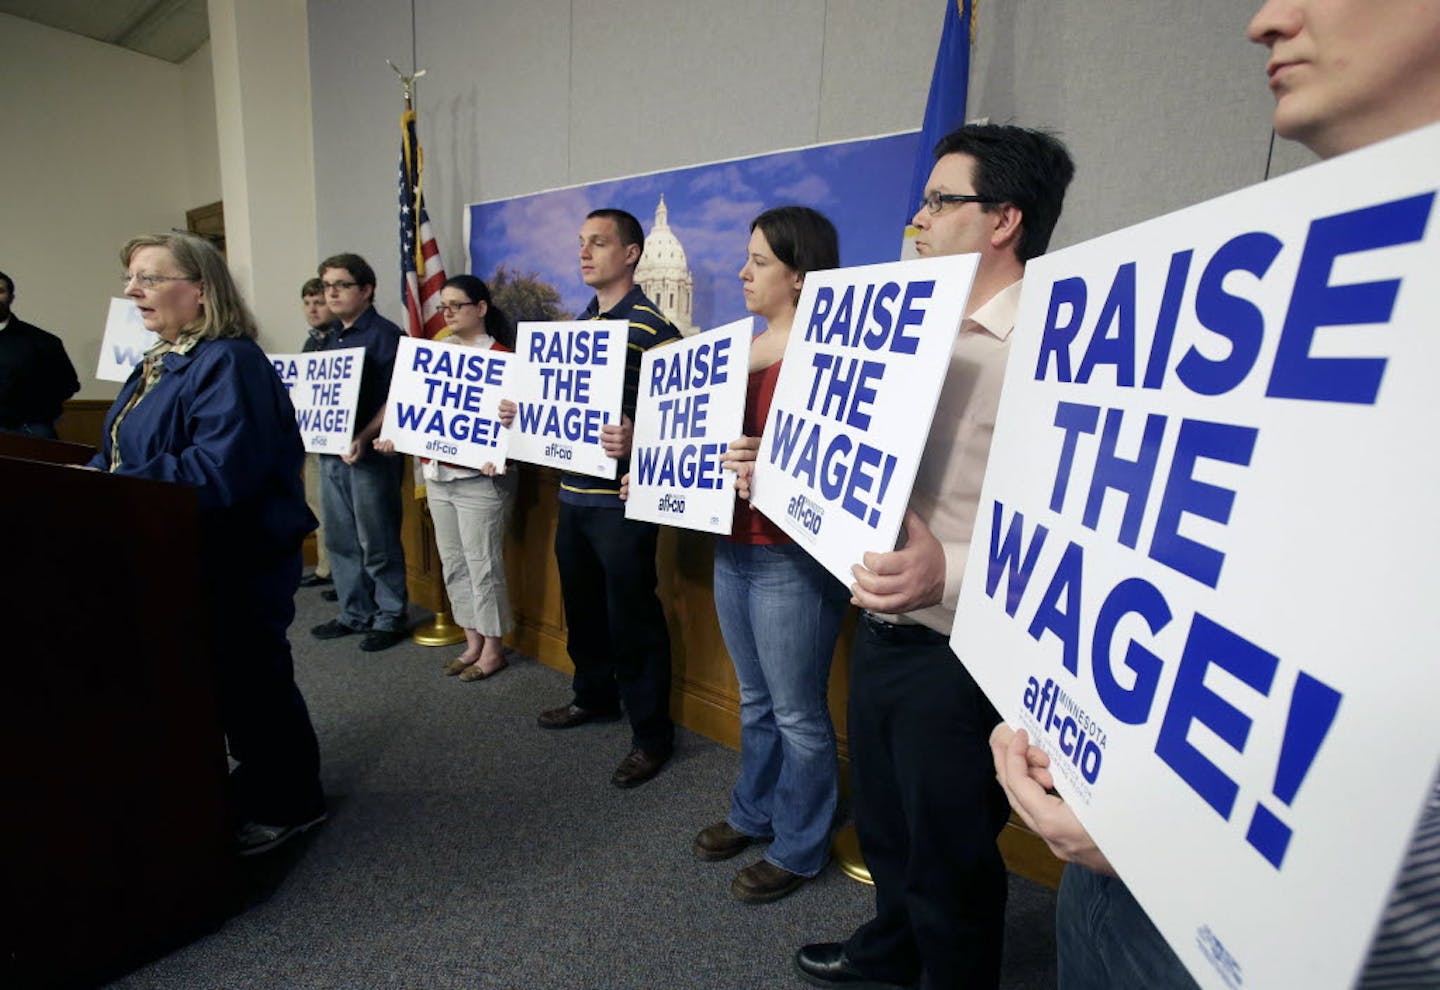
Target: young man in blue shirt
{"type": "Point", "coordinates": [617, 635]}
{"type": "Point", "coordinates": [360, 488]}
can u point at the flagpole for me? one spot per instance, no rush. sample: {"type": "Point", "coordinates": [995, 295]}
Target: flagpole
{"type": "Point", "coordinates": [945, 109]}
{"type": "Point", "coordinates": [442, 630]}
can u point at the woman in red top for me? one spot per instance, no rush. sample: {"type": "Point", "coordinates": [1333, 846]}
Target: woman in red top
{"type": "Point", "coordinates": [779, 610]}
{"type": "Point", "coordinates": [470, 506]}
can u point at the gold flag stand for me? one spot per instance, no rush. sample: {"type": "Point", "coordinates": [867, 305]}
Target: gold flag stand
{"type": "Point", "coordinates": [441, 630]}
{"type": "Point", "coordinates": [845, 847]}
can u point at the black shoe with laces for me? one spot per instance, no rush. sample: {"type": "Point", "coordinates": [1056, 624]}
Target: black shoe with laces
{"type": "Point", "coordinates": [382, 639]}
{"type": "Point", "coordinates": [333, 629]}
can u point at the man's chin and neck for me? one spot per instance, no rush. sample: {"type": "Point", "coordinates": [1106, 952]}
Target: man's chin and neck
{"type": "Point", "coordinates": [609, 294]}
{"type": "Point", "coordinates": [994, 274]}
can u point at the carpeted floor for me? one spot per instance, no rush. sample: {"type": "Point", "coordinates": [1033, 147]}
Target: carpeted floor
{"type": "Point", "coordinates": [466, 847]}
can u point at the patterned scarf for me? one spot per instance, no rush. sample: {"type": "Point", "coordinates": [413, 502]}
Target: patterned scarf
{"type": "Point", "coordinates": [150, 374]}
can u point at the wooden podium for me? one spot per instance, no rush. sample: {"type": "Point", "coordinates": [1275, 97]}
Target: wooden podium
{"type": "Point", "coordinates": [114, 841]}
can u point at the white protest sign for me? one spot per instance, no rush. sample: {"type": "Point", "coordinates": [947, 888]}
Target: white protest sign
{"type": "Point", "coordinates": [568, 384]}
{"type": "Point", "coordinates": [125, 343]}
{"type": "Point", "coordinates": [691, 404]}
{"type": "Point", "coordinates": [324, 387]}
{"type": "Point", "coordinates": [444, 402]}
{"type": "Point", "coordinates": [1202, 576]}
{"type": "Point", "coordinates": [867, 356]}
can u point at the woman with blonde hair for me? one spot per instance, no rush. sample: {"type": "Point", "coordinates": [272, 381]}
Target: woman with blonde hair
{"type": "Point", "coordinates": [206, 409]}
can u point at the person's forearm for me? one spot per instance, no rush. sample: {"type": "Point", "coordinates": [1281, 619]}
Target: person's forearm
{"type": "Point", "coordinates": [371, 430]}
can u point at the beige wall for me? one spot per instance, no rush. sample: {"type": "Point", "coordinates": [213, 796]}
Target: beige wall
{"type": "Point", "coordinates": [1163, 103]}
{"type": "Point", "coordinates": [97, 148]}
{"type": "Point", "coordinates": [262, 104]}
{"type": "Point", "coordinates": [202, 147]}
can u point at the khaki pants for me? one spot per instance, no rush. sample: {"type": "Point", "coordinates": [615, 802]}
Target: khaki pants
{"type": "Point", "coordinates": [469, 516]}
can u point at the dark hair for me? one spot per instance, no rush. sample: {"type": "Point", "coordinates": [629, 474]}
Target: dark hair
{"type": "Point", "coordinates": [9, 282]}
{"type": "Point", "coordinates": [497, 324]}
{"type": "Point", "coordinates": [312, 287]}
{"type": "Point", "coordinates": [357, 266]}
{"type": "Point", "coordinates": [1026, 168]}
{"type": "Point", "coordinates": [629, 228]}
{"type": "Point", "coordinates": [803, 239]}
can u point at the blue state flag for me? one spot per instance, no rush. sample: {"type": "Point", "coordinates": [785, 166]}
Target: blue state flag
{"type": "Point", "coordinates": [945, 108]}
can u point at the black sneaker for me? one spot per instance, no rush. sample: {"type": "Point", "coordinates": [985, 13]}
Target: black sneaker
{"type": "Point", "coordinates": [382, 639]}
{"type": "Point", "coordinates": [253, 838]}
{"type": "Point", "coordinates": [333, 629]}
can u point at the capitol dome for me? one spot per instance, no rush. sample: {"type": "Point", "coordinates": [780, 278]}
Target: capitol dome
{"type": "Point", "coordinates": [664, 273]}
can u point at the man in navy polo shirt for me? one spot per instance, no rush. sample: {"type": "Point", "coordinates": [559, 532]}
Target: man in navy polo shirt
{"type": "Point", "coordinates": [617, 635]}
{"type": "Point", "coordinates": [360, 489]}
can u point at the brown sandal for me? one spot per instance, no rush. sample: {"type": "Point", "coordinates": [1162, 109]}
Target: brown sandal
{"type": "Point", "coordinates": [476, 673]}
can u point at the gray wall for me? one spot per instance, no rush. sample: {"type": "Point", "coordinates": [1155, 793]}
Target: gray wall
{"type": "Point", "coordinates": [1163, 102]}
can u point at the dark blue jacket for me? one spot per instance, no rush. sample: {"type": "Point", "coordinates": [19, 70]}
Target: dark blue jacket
{"type": "Point", "coordinates": [219, 419]}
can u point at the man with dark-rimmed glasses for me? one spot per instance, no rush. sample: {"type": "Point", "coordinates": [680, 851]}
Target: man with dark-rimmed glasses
{"type": "Point", "coordinates": [925, 801]}
{"type": "Point", "coordinates": [360, 488]}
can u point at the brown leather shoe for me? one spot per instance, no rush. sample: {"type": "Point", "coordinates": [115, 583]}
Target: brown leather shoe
{"type": "Point", "coordinates": [763, 882]}
{"type": "Point", "coordinates": [569, 716]}
{"type": "Point", "coordinates": [719, 841]}
{"type": "Point", "coordinates": [638, 767]}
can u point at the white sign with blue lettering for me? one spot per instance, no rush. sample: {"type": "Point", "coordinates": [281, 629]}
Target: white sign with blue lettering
{"type": "Point", "coordinates": [691, 405]}
{"type": "Point", "coordinates": [444, 402]}
{"type": "Point", "coordinates": [568, 385]}
{"type": "Point", "coordinates": [1202, 576]}
{"type": "Point", "coordinates": [125, 343]}
{"type": "Point", "coordinates": [324, 387]}
{"type": "Point", "coordinates": [867, 355]}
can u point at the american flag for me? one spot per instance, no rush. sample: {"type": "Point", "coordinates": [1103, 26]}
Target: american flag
{"type": "Point", "coordinates": [421, 274]}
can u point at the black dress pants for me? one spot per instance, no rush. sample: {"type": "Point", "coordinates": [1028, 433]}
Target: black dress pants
{"type": "Point", "coordinates": [927, 810]}
{"type": "Point", "coordinates": [266, 723]}
{"type": "Point", "coordinates": [617, 639]}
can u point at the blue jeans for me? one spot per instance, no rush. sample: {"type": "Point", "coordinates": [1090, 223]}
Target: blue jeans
{"type": "Point", "coordinates": [780, 612]}
{"type": "Point", "coordinates": [361, 506]}
{"type": "Point", "coordinates": [1104, 938]}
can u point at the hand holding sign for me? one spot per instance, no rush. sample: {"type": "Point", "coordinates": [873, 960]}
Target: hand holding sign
{"type": "Point", "coordinates": [1023, 771]}
{"type": "Point", "coordinates": [740, 458]}
{"type": "Point", "coordinates": [903, 580]}
{"type": "Point", "coordinates": [617, 439]}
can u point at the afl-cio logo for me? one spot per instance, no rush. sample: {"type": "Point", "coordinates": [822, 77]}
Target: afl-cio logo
{"type": "Point", "coordinates": [806, 513]}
